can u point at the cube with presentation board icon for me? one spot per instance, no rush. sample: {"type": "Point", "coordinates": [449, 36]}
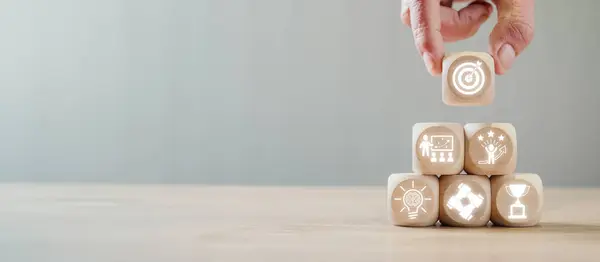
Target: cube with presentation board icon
{"type": "Point", "coordinates": [438, 148]}
{"type": "Point", "coordinates": [517, 200]}
{"type": "Point", "coordinates": [412, 199]}
{"type": "Point", "coordinates": [468, 79]}
{"type": "Point", "coordinates": [490, 148]}
{"type": "Point", "coordinates": [465, 200]}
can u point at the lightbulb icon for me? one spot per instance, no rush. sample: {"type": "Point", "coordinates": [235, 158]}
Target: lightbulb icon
{"type": "Point", "coordinates": [413, 200]}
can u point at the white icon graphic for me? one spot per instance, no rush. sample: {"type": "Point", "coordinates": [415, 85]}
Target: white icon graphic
{"type": "Point", "coordinates": [494, 147]}
{"type": "Point", "coordinates": [465, 201]}
{"type": "Point", "coordinates": [438, 144]}
{"type": "Point", "coordinates": [469, 78]}
{"type": "Point", "coordinates": [413, 200]}
{"type": "Point", "coordinates": [425, 146]}
{"type": "Point", "coordinates": [517, 210]}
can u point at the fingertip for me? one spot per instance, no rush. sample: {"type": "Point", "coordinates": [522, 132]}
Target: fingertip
{"type": "Point", "coordinates": [405, 13]}
{"type": "Point", "coordinates": [429, 62]}
{"type": "Point", "coordinates": [504, 57]}
{"type": "Point", "coordinates": [507, 56]}
{"type": "Point", "coordinates": [405, 17]}
{"type": "Point", "coordinates": [437, 69]}
{"type": "Point", "coordinates": [432, 63]}
{"type": "Point", "coordinates": [498, 69]}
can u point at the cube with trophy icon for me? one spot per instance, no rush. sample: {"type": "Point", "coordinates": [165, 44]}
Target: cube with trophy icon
{"type": "Point", "coordinates": [517, 200]}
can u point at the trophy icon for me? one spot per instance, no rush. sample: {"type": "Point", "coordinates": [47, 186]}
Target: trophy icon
{"type": "Point", "coordinates": [517, 210]}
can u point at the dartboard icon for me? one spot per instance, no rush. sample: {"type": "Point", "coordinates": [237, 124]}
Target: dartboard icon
{"type": "Point", "coordinates": [468, 78]}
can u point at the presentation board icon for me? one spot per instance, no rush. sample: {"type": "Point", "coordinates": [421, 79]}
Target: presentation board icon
{"type": "Point", "coordinates": [438, 148]}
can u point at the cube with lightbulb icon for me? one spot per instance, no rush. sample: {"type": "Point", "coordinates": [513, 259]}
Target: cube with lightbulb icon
{"type": "Point", "coordinates": [468, 79]}
{"type": "Point", "coordinates": [464, 200]}
{"type": "Point", "coordinates": [412, 199]}
{"type": "Point", "coordinates": [490, 148]}
{"type": "Point", "coordinates": [517, 200]}
{"type": "Point", "coordinates": [438, 148]}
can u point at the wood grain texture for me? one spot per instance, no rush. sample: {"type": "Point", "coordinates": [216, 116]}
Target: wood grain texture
{"type": "Point", "coordinates": [75, 222]}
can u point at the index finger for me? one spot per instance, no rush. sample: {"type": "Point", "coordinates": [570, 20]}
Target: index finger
{"type": "Point", "coordinates": [425, 23]}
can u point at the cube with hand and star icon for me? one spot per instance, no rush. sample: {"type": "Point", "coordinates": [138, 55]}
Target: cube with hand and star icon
{"type": "Point", "coordinates": [490, 148]}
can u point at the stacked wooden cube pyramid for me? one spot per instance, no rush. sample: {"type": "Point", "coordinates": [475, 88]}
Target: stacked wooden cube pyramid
{"type": "Point", "coordinates": [464, 175]}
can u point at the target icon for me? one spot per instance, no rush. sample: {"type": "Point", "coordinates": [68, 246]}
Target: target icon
{"type": "Point", "coordinates": [469, 78]}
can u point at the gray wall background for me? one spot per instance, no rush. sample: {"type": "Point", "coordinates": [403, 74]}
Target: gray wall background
{"type": "Point", "coordinates": [292, 92]}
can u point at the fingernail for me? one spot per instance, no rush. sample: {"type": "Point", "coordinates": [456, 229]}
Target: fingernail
{"type": "Point", "coordinates": [428, 59]}
{"type": "Point", "coordinates": [507, 56]}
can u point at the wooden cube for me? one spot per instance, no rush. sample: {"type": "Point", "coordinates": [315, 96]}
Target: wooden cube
{"type": "Point", "coordinates": [465, 200]}
{"type": "Point", "coordinates": [517, 200]}
{"type": "Point", "coordinates": [438, 148]}
{"type": "Point", "coordinates": [413, 200]}
{"type": "Point", "coordinates": [490, 149]}
{"type": "Point", "coordinates": [468, 79]}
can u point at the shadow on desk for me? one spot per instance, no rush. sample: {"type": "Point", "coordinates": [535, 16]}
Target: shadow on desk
{"type": "Point", "coordinates": [554, 228]}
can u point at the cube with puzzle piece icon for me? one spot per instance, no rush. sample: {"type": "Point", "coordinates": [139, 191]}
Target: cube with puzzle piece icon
{"type": "Point", "coordinates": [465, 200]}
{"type": "Point", "coordinates": [490, 148]}
{"type": "Point", "coordinates": [517, 200]}
{"type": "Point", "coordinates": [468, 79]}
{"type": "Point", "coordinates": [438, 148]}
{"type": "Point", "coordinates": [412, 199]}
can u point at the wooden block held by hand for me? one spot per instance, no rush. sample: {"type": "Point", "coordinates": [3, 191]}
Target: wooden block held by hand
{"type": "Point", "coordinates": [413, 200]}
{"type": "Point", "coordinates": [438, 148]}
{"type": "Point", "coordinates": [465, 200]}
{"type": "Point", "coordinates": [517, 200]}
{"type": "Point", "coordinates": [490, 149]}
{"type": "Point", "coordinates": [468, 79]}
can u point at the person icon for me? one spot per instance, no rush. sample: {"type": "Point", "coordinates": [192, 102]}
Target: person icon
{"type": "Point", "coordinates": [442, 158]}
{"type": "Point", "coordinates": [450, 158]}
{"type": "Point", "coordinates": [491, 152]}
{"type": "Point", "coordinates": [425, 146]}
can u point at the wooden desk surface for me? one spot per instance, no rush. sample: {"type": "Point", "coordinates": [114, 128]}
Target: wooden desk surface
{"type": "Point", "coordinates": [75, 222]}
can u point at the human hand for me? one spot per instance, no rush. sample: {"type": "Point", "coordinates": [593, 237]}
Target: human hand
{"type": "Point", "coordinates": [434, 22]}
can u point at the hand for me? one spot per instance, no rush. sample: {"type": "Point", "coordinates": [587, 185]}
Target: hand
{"type": "Point", "coordinates": [434, 22]}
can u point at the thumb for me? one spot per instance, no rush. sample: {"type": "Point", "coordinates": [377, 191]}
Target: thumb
{"type": "Point", "coordinates": [513, 33]}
